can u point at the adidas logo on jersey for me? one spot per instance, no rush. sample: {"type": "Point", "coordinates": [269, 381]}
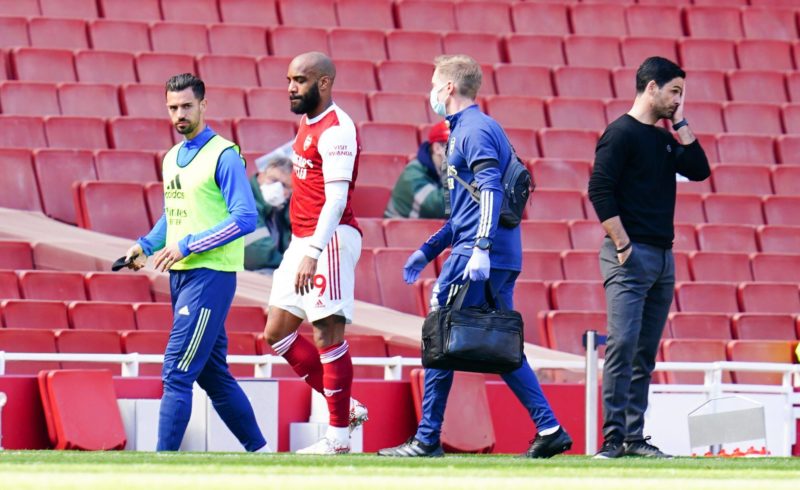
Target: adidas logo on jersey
{"type": "Point", "coordinates": [173, 189]}
{"type": "Point", "coordinates": [320, 304]}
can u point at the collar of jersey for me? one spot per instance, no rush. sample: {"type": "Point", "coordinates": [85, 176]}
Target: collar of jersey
{"type": "Point", "coordinates": [321, 115]}
{"type": "Point", "coordinates": [199, 140]}
{"type": "Point", "coordinates": [453, 118]}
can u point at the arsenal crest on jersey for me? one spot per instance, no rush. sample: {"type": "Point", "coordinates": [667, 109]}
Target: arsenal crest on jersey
{"type": "Point", "coordinates": [307, 142]}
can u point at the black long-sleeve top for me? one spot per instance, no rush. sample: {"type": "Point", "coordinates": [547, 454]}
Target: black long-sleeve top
{"type": "Point", "coordinates": [634, 178]}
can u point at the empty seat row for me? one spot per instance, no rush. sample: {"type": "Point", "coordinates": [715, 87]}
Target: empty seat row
{"type": "Point", "coordinates": [737, 209]}
{"type": "Point", "coordinates": [70, 286]}
{"type": "Point", "coordinates": [742, 326]}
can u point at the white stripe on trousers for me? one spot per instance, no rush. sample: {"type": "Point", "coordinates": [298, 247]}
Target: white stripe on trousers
{"type": "Point", "coordinates": [199, 329]}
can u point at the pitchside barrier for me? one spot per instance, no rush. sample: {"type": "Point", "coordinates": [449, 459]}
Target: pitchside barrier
{"type": "Point", "coordinates": [667, 417]}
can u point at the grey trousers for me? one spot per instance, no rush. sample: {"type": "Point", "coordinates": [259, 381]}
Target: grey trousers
{"type": "Point", "coordinates": [638, 297]}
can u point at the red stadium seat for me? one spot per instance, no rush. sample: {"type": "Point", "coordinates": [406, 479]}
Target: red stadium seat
{"type": "Point", "coordinates": [365, 14]}
{"type": "Point", "coordinates": [395, 293]}
{"type": "Point", "coordinates": [598, 19]}
{"type": "Point", "coordinates": [119, 35]}
{"type": "Point", "coordinates": [586, 235]}
{"type": "Point", "coordinates": [409, 233]}
{"type": "Point", "coordinates": [535, 50]}
{"type": "Point", "coordinates": [724, 208]}
{"type": "Point", "coordinates": [76, 9]}
{"type": "Point", "coordinates": [256, 12]}
{"type": "Point", "coordinates": [228, 70]}
{"type": "Point", "coordinates": [760, 351]}
{"type": "Point", "coordinates": [20, 7]}
{"type": "Point", "coordinates": [757, 86]}
{"type": "Point", "coordinates": [357, 44]}
{"type": "Point", "coordinates": [16, 97]}
{"type": "Point", "coordinates": [18, 178]}
{"type": "Point", "coordinates": [354, 104]}
{"type": "Point", "coordinates": [576, 113]}
{"type": "Point", "coordinates": [369, 201]}
{"type": "Point", "coordinates": [242, 344]}
{"type": "Point", "coordinates": [263, 135]}
{"type": "Point", "coordinates": [114, 208]}
{"type": "Point", "coordinates": [524, 142]}
{"type": "Point", "coordinates": [763, 326]}
{"type": "Point", "coordinates": [405, 76]}
{"type": "Point", "coordinates": [23, 340]}
{"type": "Point", "coordinates": [581, 265]}
{"type": "Point", "coordinates": [126, 165]}
{"type": "Point", "coordinates": [573, 81]}
{"type": "Point", "coordinates": [35, 314]}
{"type": "Point", "coordinates": [682, 272]}
{"type": "Point", "coordinates": [521, 80]}
{"type": "Point", "coordinates": [530, 299]}
{"type": "Point", "coordinates": [786, 180]}
{"type": "Point", "coordinates": [693, 350]}
{"type": "Point", "coordinates": [356, 75]}
{"type": "Point", "coordinates": [742, 179]}
{"type": "Point", "coordinates": [138, 133]}
{"type": "Point", "coordinates": [120, 9]}
{"type": "Point", "coordinates": [242, 40]}
{"type": "Point", "coordinates": [545, 235]}
{"type": "Point", "coordinates": [700, 326]}
{"type": "Point", "coordinates": [291, 41]}
{"type": "Point", "coordinates": [89, 342]}
{"type": "Point", "coordinates": [709, 85]}
{"type": "Point", "coordinates": [484, 48]}
{"type": "Point", "coordinates": [387, 137]}
{"type": "Point", "coordinates": [398, 108]}
{"type": "Point", "coordinates": [425, 16]}
{"type": "Point", "coordinates": [179, 37]}
{"type": "Point", "coordinates": [663, 21]}
{"type": "Point", "coordinates": [245, 318]}
{"type": "Point", "coordinates": [311, 13]}
{"type": "Point", "coordinates": [726, 238]}
{"type": "Point", "coordinates": [554, 173]}
{"type": "Point", "coordinates": [513, 111]}
{"type": "Point", "coordinates": [372, 232]}
{"type": "Point", "coordinates": [104, 67]}
{"type": "Point", "coordinates": [592, 51]}
{"type": "Point", "coordinates": [57, 171]}
{"type": "Point", "coordinates": [157, 68]}
{"type": "Point", "coordinates": [778, 239]}
{"type": "Point", "coordinates": [145, 342]}
{"type": "Point", "coordinates": [57, 33]}
{"type": "Point", "coordinates": [707, 117]}
{"type": "Point", "coordinates": [769, 298]}
{"type": "Point", "coordinates": [75, 132]}
{"type": "Point", "coordinates": [568, 143]}
{"type": "Point", "coordinates": [225, 102]}
{"type": "Point", "coordinates": [745, 148]}
{"type": "Point", "coordinates": [788, 148]}
{"type": "Point", "coordinates": [364, 345]}
{"type": "Point", "coordinates": [720, 266]}
{"type": "Point", "coordinates": [201, 11]}
{"type": "Point", "coordinates": [578, 295]}
{"type": "Point", "coordinates": [15, 254]}
{"type": "Point", "coordinates": [693, 187]}
{"type": "Point", "coordinates": [623, 81]}
{"type": "Point", "coordinates": [541, 266]}
{"type": "Point", "coordinates": [684, 237]}
{"type": "Point", "coordinates": [483, 16]}
{"type": "Point", "coordinates": [116, 286]}
{"type": "Point", "coordinates": [791, 118]}
{"type": "Point", "coordinates": [540, 18]}
{"type": "Point", "coordinates": [9, 286]}
{"type": "Point", "coordinates": [154, 316]}
{"type": "Point", "coordinates": [423, 46]}
{"type": "Point", "coordinates": [706, 297]}
{"type": "Point", "coordinates": [769, 23]}
{"type": "Point", "coordinates": [776, 267]}
{"type": "Point", "coordinates": [707, 54]}
{"type": "Point", "coordinates": [43, 65]}
{"type": "Point", "coordinates": [637, 49]}
{"type": "Point", "coordinates": [91, 100]}
{"type": "Point", "coordinates": [101, 315]}
{"type": "Point", "coordinates": [565, 329]}
{"type": "Point", "coordinates": [782, 210]}
{"type": "Point", "coordinates": [52, 285]}
{"type": "Point", "coordinates": [143, 100]}
{"type": "Point", "coordinates": [555, 205]}
{"type": "Point", "coordinates": [714, 22]}
{"type": "Point", "coordinates": [763, 54]}
{"type": "Point", "coordinates": [13, 31]}
{"type": "Point", "coordinates": [367, 288]}
{"type": "Point", "coordinates": [271, 103]}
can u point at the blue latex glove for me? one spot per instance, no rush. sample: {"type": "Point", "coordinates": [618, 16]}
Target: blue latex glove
{"type": "Point", "coordinates": [414, 265]}
{"type": "Point", "coordinates": [478, 266]}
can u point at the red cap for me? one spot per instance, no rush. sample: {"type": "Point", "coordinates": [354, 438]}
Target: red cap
{"type": "Point", "coordinates": [439, 132]}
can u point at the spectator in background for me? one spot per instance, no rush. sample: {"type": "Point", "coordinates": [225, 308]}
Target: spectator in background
{"type": "Point", "coordinates": [419, 192]}
{"type": "Point", "coordinates": [272, 187]}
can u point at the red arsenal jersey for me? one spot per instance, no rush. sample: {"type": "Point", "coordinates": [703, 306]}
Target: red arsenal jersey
{"type": "Point", "coordinates": [325, 149]}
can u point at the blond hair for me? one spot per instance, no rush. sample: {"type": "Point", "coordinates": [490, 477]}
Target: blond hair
{"type": "Point", "coordinates": [463, 70]}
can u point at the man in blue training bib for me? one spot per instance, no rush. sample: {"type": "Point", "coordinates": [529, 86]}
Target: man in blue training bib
{"type": "Point", "coordinates": [477, 151]}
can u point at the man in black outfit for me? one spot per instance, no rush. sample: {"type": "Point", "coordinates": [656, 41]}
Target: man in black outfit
{"type": "Point", "coordinates": [632, 189]}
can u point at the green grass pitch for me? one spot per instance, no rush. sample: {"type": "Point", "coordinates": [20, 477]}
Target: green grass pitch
{"type": "Point", "coordinates": [195, 471]}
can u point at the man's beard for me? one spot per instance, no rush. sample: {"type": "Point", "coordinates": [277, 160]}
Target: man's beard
{"type": "Point", "coordinates": [188, 129]}
{"type": "Point", "coordinates": [666, 112]}
{"type": "Point", "coordinates": [307, 102]}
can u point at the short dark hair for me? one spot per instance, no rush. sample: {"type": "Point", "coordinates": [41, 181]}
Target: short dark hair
{"type": "Point", "coordinates": [179, 83]}
{"type": "Point", "coordinates": [658, 69]}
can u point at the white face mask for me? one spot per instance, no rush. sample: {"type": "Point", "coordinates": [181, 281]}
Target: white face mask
{"type": "Point", "coordinates": [438, 107]}
{"type": "Point", "coordinates": [273, 194]}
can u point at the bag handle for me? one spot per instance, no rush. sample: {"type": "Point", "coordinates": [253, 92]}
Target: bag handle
{"type": "Point", "coordinates": [492, 299]}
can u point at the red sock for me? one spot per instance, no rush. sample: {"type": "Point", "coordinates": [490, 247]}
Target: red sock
{"type": "Point", "coordinates": [303, 357]}
{"type": "Point", "coordinates": [338, 381]}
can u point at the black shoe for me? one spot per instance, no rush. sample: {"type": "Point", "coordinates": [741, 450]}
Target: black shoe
{"type": "Point", "coordinates": [610, 450]}
{"type": "Point", "coordinates": [549, 445]}
{"type": "Point", "coordinates": [644, 449]}
{"type": "Point", "coordinates": [413, 448]}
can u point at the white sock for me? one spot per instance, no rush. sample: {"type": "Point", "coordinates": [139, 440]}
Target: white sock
{"type": "Point", "coordinates": [265, 449]}
{"type": "Point", "coordinates": [339, 434]}
{"type": "Point", "coordinates": [551, 430]}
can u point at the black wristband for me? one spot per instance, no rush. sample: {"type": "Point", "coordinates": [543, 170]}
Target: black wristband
{"type": "Point", "coordinates": [625, 248]}
{"type": "Point", "coordinates": [678, 125]}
